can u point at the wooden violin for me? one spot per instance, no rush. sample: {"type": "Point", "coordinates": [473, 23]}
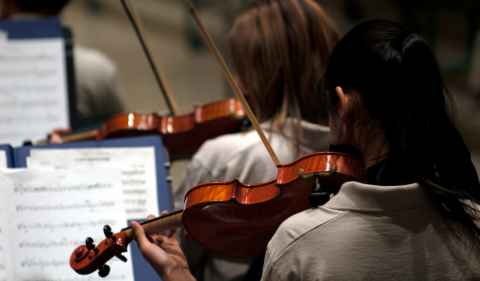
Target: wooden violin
{"type": "Point", "coordinates": [232, 218]}
{"type": "Point", "coordinates": [182, 135]}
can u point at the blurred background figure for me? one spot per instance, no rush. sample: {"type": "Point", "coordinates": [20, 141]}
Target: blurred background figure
{"type": "Point", "coordinates": [98, 88]}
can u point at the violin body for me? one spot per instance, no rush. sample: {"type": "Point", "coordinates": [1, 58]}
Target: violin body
{"type": "Point", "coordinates": [182, 135]}
{"type": "Point", "coordinates": [238, 220]}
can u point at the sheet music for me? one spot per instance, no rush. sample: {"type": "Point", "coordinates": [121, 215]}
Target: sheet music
{"type": "Point", "coordinates": [6, 272]}
{"type": "Point", "coordinates": [3, 159]}
{"type": "Point", "coordinates": [137, 166]}
{"type": "Point", "coordinates": [51, 212]}
{"type": "Point", "coordinates": [33, 89]}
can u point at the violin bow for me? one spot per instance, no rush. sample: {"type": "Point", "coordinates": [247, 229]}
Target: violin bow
{"type": "Point", "coordinates": [231, 80]}
{"type": "Point", "coordinates": [157, 71]}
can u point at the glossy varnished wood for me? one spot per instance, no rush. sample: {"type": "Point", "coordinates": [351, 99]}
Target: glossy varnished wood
{"type": "Point", "coordinates": [347, 166]}
{"type": "Point", "coordinates": [236, 219]}
{"type": "Point", "coordinates": [182, 135]}
{"type": "Point", "coordinates": [85, 261]}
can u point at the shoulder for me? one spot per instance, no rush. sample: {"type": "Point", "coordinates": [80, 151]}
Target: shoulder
{"type": "Point", "coordinates": [297, 226]}
{"type": "Point", "coordinates": [89, 59]}
{"type": "Point", "coordinates": [299, 241]}
{"type": "Point", "coordinates": [228, 146]}
{"type": "Point", "coordinates": [243, 156]}
{"type": "Point", "coordinates": [315, 137]}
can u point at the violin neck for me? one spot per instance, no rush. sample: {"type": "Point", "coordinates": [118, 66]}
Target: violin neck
{"type": "Point", "coordinates": [90, 135]}
{"type": "Point", "coordinates": [160, 224]}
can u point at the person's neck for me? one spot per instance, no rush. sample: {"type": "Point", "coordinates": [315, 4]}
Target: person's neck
{"type": "Point", "coordinates": [373, 148]}
{"type": "Point", "coordinates": [374, 154]}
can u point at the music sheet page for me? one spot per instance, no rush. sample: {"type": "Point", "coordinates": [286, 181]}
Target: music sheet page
{"type": "Point", "coordinates": [51, 212]}
{"type": "Point", "coordinates": [137, 166]}
{"type": "Point", "coordinates": [33, 88]}
{"type": "Point", "coordinates": [3, 159]}
{"type": "Point", "coordinates": [6, 272]}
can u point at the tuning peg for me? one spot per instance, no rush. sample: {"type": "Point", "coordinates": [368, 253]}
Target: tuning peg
{"type": "Point", "coordinates": [122, 258]}
{"type": "Point", "coordinates": [107, 230]}
{"type": "Point", "coordinates": [104, 270]}
{"type": "Point", "coordinates": [90, 245]}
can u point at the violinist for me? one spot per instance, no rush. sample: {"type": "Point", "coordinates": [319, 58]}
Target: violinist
{"type": "Point", "coordinates": [414, 214]}
{"type": "Point", "coordinates": [277, 49]}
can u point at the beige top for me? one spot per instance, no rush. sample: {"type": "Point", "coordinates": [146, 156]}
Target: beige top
{"type": "Point", "coordinates": [369, 232]}
{"type": "Point", "coordinates": [242, 156]}
{"type": "Point", "coordinates": [98, 88]}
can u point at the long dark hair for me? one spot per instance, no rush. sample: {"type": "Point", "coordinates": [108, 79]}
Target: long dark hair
{"type": "Point", "coordinates": [399, 82]}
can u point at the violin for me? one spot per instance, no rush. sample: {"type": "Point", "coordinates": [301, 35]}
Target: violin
{"type": "Point", "coordinates": [182, 135]}
{"type": "Point", "coordinates": [232, 218]}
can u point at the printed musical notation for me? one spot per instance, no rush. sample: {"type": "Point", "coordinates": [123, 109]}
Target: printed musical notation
{"type": "Point", "coordinates": [33, 92]}
{"type": "Point", "coordinates": [6, 272]}
{"type": "Point", "coordinates": [66, 225]}
{"type": "Point", "coordinates": [87, 204]}
{"type": "Point", "coordinates": [137, 168]}
{"type": "Point", "coordinates": [50, 243]}
{"type": "Point", "coordinates": [44, 227]}
{"type": "Point", "coordinates": [21, 188]}
{"type": "Point", "coordinates": [43, 263]}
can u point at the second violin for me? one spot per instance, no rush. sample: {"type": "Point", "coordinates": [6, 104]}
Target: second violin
{"type": "Point", "coordinates": [182, 135]}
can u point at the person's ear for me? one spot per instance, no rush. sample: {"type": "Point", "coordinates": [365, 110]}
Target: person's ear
{"type": "Point", "coordinates": [345, 104]}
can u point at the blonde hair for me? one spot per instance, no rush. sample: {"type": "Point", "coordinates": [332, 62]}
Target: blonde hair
{"type": "Point", "coordinates": [278, 47]}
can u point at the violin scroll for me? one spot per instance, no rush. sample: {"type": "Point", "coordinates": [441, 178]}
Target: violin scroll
{"type": "Point", "coordinates": [88, 258]}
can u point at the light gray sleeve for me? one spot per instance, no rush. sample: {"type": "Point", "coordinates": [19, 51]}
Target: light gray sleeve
{"type": "Point", "coordinates": [269, 271]}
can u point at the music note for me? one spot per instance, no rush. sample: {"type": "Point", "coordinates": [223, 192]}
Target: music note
{"type": "Point", "coordinates": [50, 211]}
{"type": "Point", "coordinates": [137, 167]}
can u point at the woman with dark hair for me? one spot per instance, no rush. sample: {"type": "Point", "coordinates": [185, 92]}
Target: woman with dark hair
{"type": "Point", "coordinates": [414, 215]}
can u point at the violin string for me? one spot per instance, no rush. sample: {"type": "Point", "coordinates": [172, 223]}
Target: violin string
{"type": "Point", "coordinates": [157, 71]}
